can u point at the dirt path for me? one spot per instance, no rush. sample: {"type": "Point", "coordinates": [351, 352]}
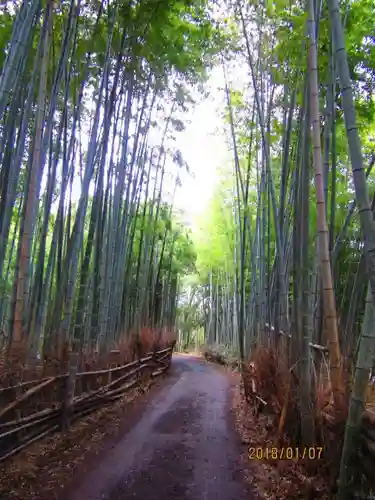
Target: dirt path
{"type": "Point", "coordinates": [183, 447]}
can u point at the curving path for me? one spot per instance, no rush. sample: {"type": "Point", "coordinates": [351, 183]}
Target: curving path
{"type": "Point", "coordinates": [182, 448]}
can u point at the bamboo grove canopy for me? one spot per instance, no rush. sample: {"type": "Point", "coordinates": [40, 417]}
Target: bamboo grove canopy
{"type": "Point", "coordinates": [90, 98]}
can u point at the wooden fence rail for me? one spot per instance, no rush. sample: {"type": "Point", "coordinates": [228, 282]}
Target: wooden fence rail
{"type": "Point", "coordinates": [317, 347]}
{"type": "Point", "coordinates": [32, 415]}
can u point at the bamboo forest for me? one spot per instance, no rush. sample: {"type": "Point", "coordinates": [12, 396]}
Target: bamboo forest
{"type": "Point", "coordinates": [276, 276]}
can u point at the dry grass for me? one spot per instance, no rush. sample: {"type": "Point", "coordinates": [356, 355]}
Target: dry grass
{"type": "Point", "coordinates": [278, 385]}
{"type": "Point", "coordinates": [42, 470]}
{"type": "Point", "coordinates": [19, 367]}
{"type": "Point", "coordinates": [221, 354]}
{"type": "Point", "coordinates": [38, 471]}
{"type": "Point", "coordinates": [18, 371]}
{"type": "Point", "coordinates": [271, 479]}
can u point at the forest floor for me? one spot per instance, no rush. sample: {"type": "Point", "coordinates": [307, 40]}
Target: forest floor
{"type": "Point", "coordinates": [177, 441]}
{"type": "Point", "coordinates": [278, 479]}
{"type": "Point", "coordinates": [186, 437]}
{"type": "Point", "coordinates": [45, 470]}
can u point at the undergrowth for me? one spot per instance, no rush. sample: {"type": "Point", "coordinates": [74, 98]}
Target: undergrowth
{"type": "Point", "coordinates": [221, 354]}
{"type": "Point", "coordinates": [19, 366]}
{"type": "Point", "coordinates": [271, 391]}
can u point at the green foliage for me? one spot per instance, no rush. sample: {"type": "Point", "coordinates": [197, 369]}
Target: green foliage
{"type": "Point", "coordinates": [291, 61]}
{"type": "Point", "coordinates": [184, 254]}
{"type": "Point", "coordinates": [6, 21]}
{"type": "Point", "coordinates": [215, 239]}
{"type": "Point", "coordinates": [178, 243]}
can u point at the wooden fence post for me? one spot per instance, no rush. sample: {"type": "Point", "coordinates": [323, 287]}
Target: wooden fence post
{"type": "Point", "coordinates": [70, 384]}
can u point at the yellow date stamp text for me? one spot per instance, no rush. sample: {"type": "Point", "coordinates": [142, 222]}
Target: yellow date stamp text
{"type": "Point", "coordinates": [287, 453]}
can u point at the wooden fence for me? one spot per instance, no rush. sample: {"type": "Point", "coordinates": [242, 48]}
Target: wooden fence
{"type": "Point", "coordinates": [316, 347]}
{"type": "Point", "coordinates": [31, 410]}
{"type": "Point", "coordinates": [366, 429]}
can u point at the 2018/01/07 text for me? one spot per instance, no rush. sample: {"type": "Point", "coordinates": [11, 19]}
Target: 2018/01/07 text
{"type": "Point", "coordinates": [288, 453]}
